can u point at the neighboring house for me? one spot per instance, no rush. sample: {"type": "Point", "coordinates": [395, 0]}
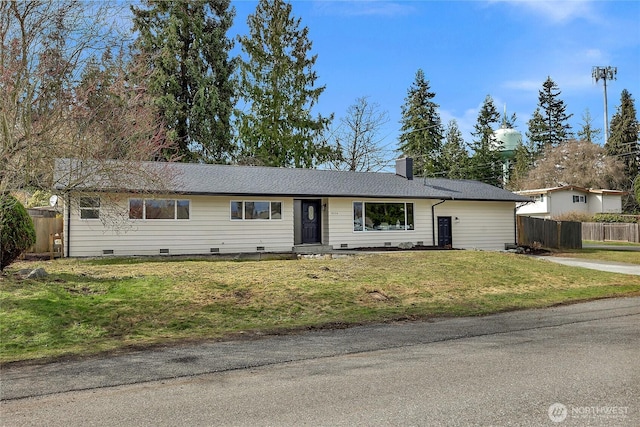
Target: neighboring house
{"type": "Point", "coordinates": [235, 209]}
{"type": "Point", "coordinates": [553, 202]}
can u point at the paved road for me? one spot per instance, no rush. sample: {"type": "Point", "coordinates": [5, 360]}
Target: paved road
{"type": "Point", "coordinates": [505, 369]}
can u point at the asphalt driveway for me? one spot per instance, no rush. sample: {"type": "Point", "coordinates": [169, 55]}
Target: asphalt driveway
{"type": "Point", "coordinates": [610, 266]}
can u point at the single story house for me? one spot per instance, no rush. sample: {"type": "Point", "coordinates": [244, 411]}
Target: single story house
{"type": "Point", "coordinates": [207, 209]}
{"type": "Point", "coordinates": [553, 202]}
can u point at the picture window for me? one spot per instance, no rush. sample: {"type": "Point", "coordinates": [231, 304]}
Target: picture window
{"type": "Point", "coordinates": [152, 209]}
{"type": "Point", "coordinates": [382, 216]}
{"type": "Point", "coordinates": [255, 210]}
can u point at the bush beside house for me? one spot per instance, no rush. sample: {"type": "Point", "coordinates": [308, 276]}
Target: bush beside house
{"type": "Point", "coordinates": [17, 233]}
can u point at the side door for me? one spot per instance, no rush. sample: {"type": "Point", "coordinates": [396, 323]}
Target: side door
{"type": "Point", "coordinates": [444, 232]}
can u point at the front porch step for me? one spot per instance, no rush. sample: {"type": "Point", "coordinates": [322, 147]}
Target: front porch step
{"type": "Point", "coordinates": [312, 249]}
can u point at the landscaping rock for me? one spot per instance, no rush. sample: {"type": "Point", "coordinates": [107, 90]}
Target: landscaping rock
{"type": "Point", "coordinates": [405, 245]}
{"type": "Point", "coordinates": [38, 273]}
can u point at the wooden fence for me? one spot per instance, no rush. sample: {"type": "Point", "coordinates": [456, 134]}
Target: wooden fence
{"type": "Point", "coordinates": [46, 231]}
{"type": "Point", "coordinates": [548, 233]}
{"type": "Point", "coordinates": [611, 231]}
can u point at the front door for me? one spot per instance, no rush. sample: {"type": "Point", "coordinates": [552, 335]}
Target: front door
{"type": "Point", "coordinates": [444, 231]}
{"type": "Point", "coordinates": [310, 221]}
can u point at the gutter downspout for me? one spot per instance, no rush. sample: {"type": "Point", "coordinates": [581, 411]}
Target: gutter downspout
{"type": "Point", "coordinates": [515, 226]}
{"type": "Point", "coordinates": [433, 221]}
{"type": "Point", "coordinates": [68, 233]}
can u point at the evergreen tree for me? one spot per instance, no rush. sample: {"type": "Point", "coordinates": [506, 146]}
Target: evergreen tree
{"type": "Point", "coordinates": [191, 73]}
{"type": "Point", "coordinates": [624, 143]}
{"type": "Point", "coordinates": [485, 164]}
{"type": "Point", "coordinates": [454, 158]}
{"type": "Point", "coordinates": [509, 121]}
{"type": "Point", "coordinates": [536, 133]}
{"type": "Point", "coordinates": [278, 87]}
{"type": "Point", "coordinates": [421, 128]}
{"type": "Point", "coordinates": [522, 164]}
{"type": "Point", "coordinates": [554, 127]}
{"type": "Point", "coordinates": [588, 132]}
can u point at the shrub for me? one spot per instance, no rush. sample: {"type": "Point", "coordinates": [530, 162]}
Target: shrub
{"type": "Point", "coordinates": [612, 217]}
{"type": "Point", "coordinates": [574, 216]}
{"type": "Point", "coordinates": [16, 230]}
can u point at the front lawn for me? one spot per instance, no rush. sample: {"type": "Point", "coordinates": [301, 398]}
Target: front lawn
{"type": "Point", "coordinates": [90, 306]}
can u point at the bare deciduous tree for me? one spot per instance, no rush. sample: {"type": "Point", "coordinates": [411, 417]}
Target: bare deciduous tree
{"type": "Point", "coordinates": [358, 139]}
{"type": "Point", "coordinates": [573, 162]}
{"type": "Point", "coordinates": [63, 94]}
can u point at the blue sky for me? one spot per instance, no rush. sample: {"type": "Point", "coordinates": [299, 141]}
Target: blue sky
{"type": "Point", "coordinates": [469, 49]}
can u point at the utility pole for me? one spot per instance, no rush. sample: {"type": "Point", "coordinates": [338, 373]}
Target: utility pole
{"type": "Point", "coordinates": [604, 74]}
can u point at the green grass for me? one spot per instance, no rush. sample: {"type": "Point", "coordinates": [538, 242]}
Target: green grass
{"type": "Point", "coordinates": [609, 243]}
{"type": "Point", "coordinates": [90, 306]}
{"type": "Point", "coordinates": [630, 257]}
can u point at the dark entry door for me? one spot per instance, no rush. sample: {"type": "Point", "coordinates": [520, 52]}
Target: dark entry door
{"type": "Point", "coordinates": [444, 231]}
{"type": "Point", "coordinates": [310, 221]}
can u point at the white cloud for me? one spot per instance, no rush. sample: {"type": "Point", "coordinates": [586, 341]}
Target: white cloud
{"type": "Point", "coordinates": [466, 121]}
{"type": "Point", "coordinates": [363, 8]}
{"type": "Point", "coordinates": [555, 11]}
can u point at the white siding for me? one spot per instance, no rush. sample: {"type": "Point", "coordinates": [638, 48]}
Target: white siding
{"type": "Point", "coordinates": [480, 225]}
{"type": "Point", "coordinates": [562, 202]}
{"type": "Point", "coordinates": [209, 226]}
{"type": "Point", "coordinates": [612, 203]}
{"type": "Point", "coordinates": [595, 203]}
{"type": "Point", "coordinates": [605, 203]}
{"type": "Point", "coordinates": [475, 225]}
{"type": "Point", "coordinates": [539, 208]}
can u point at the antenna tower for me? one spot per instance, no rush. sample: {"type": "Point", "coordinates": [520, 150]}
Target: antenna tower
{"type": "Point", "coordinates": [604, 74]}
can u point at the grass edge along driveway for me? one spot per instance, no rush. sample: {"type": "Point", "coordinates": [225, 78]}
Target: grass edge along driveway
{"type": "Point", "coordinates": [87, 307]}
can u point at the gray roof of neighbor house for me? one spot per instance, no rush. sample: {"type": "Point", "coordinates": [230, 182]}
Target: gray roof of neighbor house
{"type": "Point", "coordinates": [191, 178]}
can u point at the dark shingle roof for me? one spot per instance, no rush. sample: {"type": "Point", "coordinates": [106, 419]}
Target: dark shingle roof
{"type": "Point", "coordinates": [190, 178]}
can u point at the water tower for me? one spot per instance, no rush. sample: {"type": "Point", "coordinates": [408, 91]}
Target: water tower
{"type": "Point", "coordinates": [506, 140]}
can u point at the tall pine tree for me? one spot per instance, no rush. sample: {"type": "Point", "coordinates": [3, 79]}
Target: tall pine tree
{"type": "Point", "coordinates": [485, 164]}
{"type": "Point", "coordinates": [624, 143]}
{"type": "Point", "coordinates": [536, 133]}
{"type": "Point", "coordinates": [454, 158]}
{"type": "Point", "coordinates": [549, 125]}
{"type": "Point", "coordinates": [421, 128]}
{"type": "Point", "coordinates": [277, 84]}
{"type": "Point", "coordinates": [191, 73]}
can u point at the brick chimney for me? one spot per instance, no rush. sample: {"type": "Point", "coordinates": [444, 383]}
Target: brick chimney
{"type": "Point", "coordinates": [404, 167]}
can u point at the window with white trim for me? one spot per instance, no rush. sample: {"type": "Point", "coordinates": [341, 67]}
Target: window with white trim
{"type": "Point", "coordinates": [579, 199]}
{"type": "Point", "coordinates": [90, 207]}
{"type": "Point", "coordinates": [252, 210]}
{"type": "Point", "coordinates": [382, 216]}
{"type": "Point", "coordinates": [159, 209]}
